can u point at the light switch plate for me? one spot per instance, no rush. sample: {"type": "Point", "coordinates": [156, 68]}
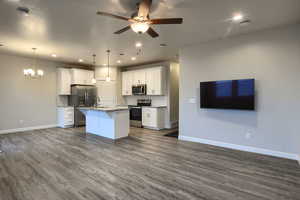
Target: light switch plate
{"type": "Point", "coordinates": [192, 100]}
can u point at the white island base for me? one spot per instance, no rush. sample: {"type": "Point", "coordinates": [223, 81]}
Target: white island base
{"type": "Point", "coordinates": [109, 123]}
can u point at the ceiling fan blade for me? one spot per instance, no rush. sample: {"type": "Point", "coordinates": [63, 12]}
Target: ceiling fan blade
{"type": "Point", "coordinates": [152, 33]}
{"type": "Point", "coordinates": [166, 21]}
{"type": "Point", "coordinates": [144, 9]}
{"type": "Point", "coordinates": [122, 30]}
{"type": "Point", "coordinates": [113, 16]}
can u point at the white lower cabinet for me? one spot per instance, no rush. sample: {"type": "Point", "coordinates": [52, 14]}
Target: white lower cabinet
{"type": "Point", "coordinates": [65, 117]}
{"type": "Point", "coordinates": [153, 117]}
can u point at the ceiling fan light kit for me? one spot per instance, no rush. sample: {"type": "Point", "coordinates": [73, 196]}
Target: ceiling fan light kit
{"type": "Point", "coordinates": [140, 22]}
{"type": "Point", "coordinates": [140, 27]}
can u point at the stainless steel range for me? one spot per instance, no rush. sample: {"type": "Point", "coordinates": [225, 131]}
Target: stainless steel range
{"type": "Point", "coordinates": [136, 112]}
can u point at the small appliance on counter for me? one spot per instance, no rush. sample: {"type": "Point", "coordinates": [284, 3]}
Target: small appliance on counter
{"type": "Point", "coordinates": [135, 112]}
{"type": "Point", "coordinates": [139, 89]}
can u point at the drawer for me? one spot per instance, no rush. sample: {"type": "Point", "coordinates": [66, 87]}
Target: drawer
{"type": "Point", "coordinates": [67, 114]}
{"type": "Point", "coordinates": [69, 111]}
{"type": "Point", "coordinates": [69, 122]}
{"type": "Point", "coordinates": [68, 119]}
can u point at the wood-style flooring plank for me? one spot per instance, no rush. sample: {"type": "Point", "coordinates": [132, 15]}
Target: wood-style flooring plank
{"type": "Point", "coordinates": [67, 164]}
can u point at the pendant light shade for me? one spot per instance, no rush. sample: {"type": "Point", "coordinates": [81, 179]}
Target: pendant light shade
{"type": "Point", "coordinates": [108, 79]}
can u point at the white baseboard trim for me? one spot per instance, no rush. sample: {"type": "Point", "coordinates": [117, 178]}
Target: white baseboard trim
{"type": "Point", "coordinates": [27, 129]}
{"type": "Point", "coordinates": [242, 148]}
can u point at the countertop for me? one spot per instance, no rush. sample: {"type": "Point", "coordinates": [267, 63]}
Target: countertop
{"type": "Point", "coordinates": [149, 106]}
{"type": "Point", "coordinates": [105, 109]}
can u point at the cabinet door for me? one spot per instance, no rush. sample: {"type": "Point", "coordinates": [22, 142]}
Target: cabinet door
{"type": "Point", "coordinates": [89, 75]}
{"type": "Point", "coordinates": [63, 81]}
{"type": "Point", "coordinates": [77, 77]}
{"type": "Point", "coordinates": [82, 77]}
{"type": "Point", "coordinates": [155, 81]}
{"type": "Point", "coordinates": [127, 83]}
{"type": "Point", "coordinates": [139, 77]}
{"type": "Point", "coordinates": [149, 117]}
{"type": "Point", "coordinates": [146, 117]}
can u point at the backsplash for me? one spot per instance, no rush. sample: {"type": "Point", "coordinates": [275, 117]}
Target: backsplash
{"type": "Point", "coordinates": [156, 100]}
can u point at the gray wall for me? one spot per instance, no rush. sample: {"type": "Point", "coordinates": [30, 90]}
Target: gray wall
{"type": "Point", "coordinates": [272, 57]}
{"type": "Point", "coordinates": [174, 92]}
{"type": "Point", "coordinates": [26, 103]}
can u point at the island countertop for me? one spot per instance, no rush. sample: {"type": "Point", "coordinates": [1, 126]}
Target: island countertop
{"type": "Point", "coordinates": [105, 109]}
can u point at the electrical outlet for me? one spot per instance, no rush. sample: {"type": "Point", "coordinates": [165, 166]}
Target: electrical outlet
{"type": "Point", "coordinates": [248, 135]}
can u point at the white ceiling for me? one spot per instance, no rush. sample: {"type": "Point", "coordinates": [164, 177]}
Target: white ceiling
{"type": "Point", "coordinates": [72, 30]}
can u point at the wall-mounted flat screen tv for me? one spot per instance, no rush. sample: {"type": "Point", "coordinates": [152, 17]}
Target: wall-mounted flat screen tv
{"type": "Point", "coordinates": [229, 94]}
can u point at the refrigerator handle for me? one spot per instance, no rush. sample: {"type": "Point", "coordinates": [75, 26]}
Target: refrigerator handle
{"type": "Point", "coordinates": [85, 97]}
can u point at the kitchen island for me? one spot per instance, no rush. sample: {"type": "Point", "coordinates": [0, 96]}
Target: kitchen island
{"type": "Point", "coordinates": [109, 122]}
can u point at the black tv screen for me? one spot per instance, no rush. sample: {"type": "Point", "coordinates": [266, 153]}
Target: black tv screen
{"type": "Point", "coordinates": [229, 94]}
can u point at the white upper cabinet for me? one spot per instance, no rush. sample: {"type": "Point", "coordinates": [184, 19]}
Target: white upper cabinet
{"type": "Point", "coordinates": [156, 81]}
{"type": "Point", "coordinates": [154, 78]}
{"type": "Point", "coordinates": [127, 82]}
{"type": "Point", "coordinates": [89, 77]}
{"type": "Point", "coordinates": [82, 77]}
{"type": "Point", "coordinates": [63, 81]}
{"type": "Point", "coordinates": [139, 77]}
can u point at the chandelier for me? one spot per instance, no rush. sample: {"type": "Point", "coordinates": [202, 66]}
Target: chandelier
{"type": "Point", "coordinates": [32, 72]}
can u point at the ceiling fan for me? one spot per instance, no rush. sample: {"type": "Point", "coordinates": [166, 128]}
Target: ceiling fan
{"type": "Point", "coordinates": [140, 20]}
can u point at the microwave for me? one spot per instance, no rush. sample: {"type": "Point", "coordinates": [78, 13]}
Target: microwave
{"type": "Point", "coordinates": [139, 89]}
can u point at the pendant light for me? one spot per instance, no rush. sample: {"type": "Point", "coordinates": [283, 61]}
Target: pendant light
{"type": "Point", "coordinates": [33, 72]}
{"type": "Point", "coordinates": [108, 79]}
{"type": "Point", "coordinates": [94, 81]}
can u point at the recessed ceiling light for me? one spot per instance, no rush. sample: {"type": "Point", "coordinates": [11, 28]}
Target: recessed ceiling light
{"type": "Point", "coordinates": [237, 17]}
{"type": "Point", "coordinates": [80, 60]}
{"type": "Point", "coordinates": [163, 45]}
{"type": "Point", "coordinates": [138, 44]}
{"type": "Point", "coordinates": [54, 55]}
{"type": "Point", "coordinates": [119, 61]}
{"type": "Point", "coordinates": [245, 22]}
{"type": "Point", "coordinates": [13, 1]}
{"type": "Point", "coordinates": [133, 58]}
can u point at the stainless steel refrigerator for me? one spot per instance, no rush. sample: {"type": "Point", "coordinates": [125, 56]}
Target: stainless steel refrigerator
{"type": "Point", "coordinates": [82, 96]}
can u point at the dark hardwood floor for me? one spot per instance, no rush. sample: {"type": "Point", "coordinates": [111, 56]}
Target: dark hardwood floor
{"type": "Point", "coordinates": [66, 164]}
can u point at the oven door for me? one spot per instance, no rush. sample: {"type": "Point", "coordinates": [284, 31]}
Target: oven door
{"type": "Point", "coordinates": [136, 116]}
